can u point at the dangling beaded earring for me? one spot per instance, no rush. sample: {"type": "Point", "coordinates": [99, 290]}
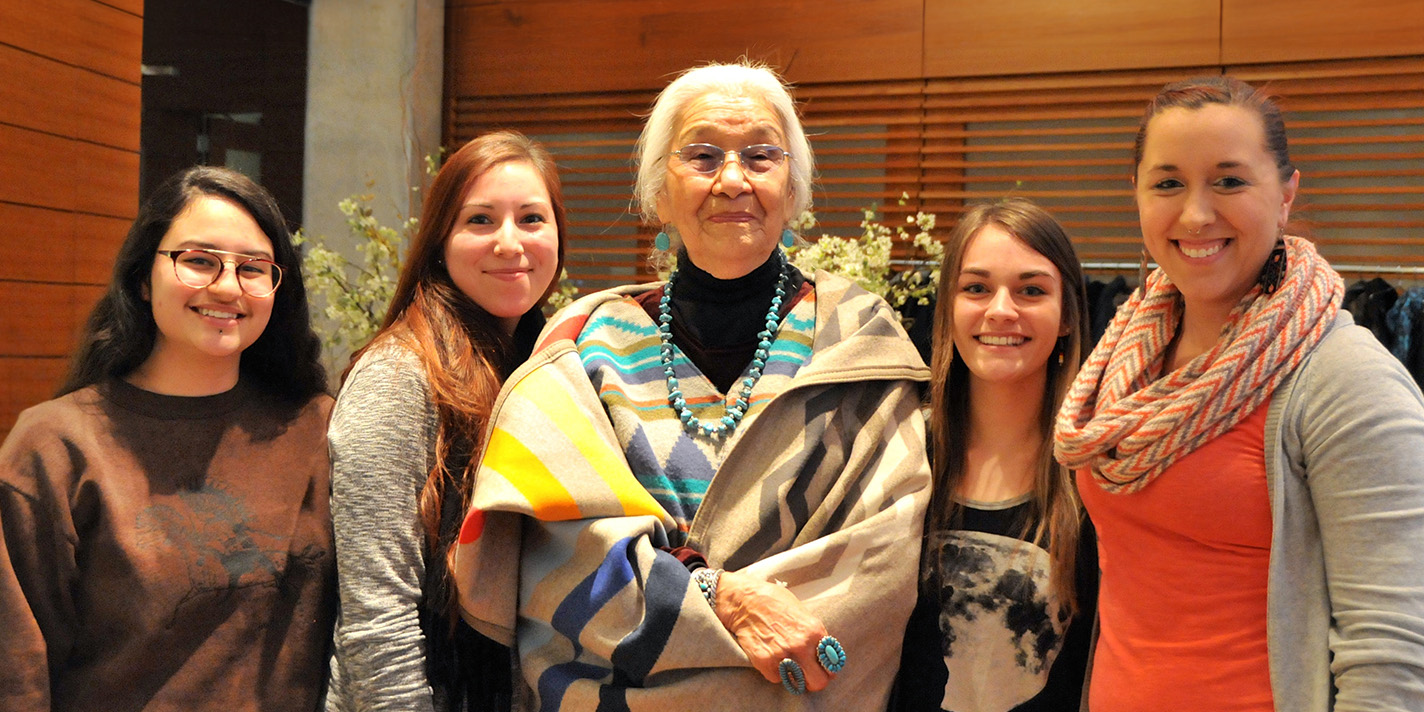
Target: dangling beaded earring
{"type": "Point", "coordinates": [1275, 270]}
{"type": "Point", "coordinates": [788, 238]}
{"type": "Point", "coordinates": [1142, 273]}
{"type": "Point", "coordinates": [662, 241]}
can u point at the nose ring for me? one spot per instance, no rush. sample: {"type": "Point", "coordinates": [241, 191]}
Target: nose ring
{"type": "Point", "coordinates": [1193, 232]}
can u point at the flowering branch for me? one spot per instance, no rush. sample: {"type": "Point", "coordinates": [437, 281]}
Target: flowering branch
{"type": "Point", "coordinates": [866, 259]}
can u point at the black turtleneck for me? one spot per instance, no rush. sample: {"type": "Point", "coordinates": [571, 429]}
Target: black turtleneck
{"type": "Point", "coordinates": [715, 322]}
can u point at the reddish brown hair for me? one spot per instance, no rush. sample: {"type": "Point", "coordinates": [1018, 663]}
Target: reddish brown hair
{"type": "Point", "coordinates": [465, 354]}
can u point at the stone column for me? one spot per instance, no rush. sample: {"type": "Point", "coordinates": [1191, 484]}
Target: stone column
{"type": "Point", "coordinates": [375, 77]}
{"type": "Point", "coordinates": [374, 84]}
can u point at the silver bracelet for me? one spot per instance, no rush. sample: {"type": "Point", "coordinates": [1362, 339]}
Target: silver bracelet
{"type": "Point", "coordinates": [707, 582]}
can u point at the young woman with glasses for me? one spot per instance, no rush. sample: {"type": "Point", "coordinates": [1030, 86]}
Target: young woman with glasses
{"type": "Point", "coordinates": [165, 523]}
{"type": "Point", "coordinates": [409, 419]}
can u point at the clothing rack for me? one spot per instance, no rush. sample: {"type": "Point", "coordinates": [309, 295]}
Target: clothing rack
{"type": "Point", "coordinates": [1129, 266]}
{"type": "Point", "coordinates": [1116, 266]}
{"type": "Point", "coordinates": [1378, 269]}
{"type": "Point", "coordinates": [1342, 268]}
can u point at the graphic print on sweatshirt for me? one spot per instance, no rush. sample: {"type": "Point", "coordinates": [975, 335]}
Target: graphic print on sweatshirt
{"type": "Point", "coordinates": [217, 540]}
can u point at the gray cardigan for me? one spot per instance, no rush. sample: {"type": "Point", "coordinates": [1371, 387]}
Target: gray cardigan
{"type": "Point", "coordinates": [1345, 595]}
{"type": "Point", "coordinates": [1345, 591]}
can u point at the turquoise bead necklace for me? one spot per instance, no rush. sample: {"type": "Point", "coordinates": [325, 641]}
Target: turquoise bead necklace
{"type": "Point", "coordinates": [728, 422]}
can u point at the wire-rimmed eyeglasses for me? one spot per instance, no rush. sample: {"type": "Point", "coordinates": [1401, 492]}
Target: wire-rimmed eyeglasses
{"type": "Point", "coordinates": [258, 277]}
{"type": "Point", "coordinates": [756, 160]}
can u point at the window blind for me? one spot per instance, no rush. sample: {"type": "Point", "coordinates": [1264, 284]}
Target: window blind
{"type": "Point", "coordinates": [1356, 130]}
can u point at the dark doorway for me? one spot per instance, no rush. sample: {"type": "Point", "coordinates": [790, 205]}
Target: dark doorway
{"type": "Point", "coordinates": [225, 84]}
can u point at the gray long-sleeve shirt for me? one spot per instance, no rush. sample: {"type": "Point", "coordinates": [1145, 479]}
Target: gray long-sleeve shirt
{"type": "Point", "coordinates": [382, 441]}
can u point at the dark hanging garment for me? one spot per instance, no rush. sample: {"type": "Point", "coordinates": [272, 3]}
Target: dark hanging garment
{"type": "Point", "coordinates": [1406, 323]}
{"type": "Point", "coordinates": [1104, 306]}
{"type": "Point", "coordinates": [1370, 302]}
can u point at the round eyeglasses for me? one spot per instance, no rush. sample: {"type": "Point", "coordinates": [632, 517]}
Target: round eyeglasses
{"type": "Point", "coordinates": [199, 268]}
{"type": "Point", "coordinates": [756, 160]}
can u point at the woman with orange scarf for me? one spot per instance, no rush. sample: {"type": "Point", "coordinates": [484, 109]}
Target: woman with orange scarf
{"type": "Point", "coordinates": [1250, 458]}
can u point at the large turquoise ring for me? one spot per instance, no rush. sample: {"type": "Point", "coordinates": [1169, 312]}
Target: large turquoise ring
{"type": "Point", "coordinates": [830, 654]}
{"type": "Point", "coordinates": [792, 677]}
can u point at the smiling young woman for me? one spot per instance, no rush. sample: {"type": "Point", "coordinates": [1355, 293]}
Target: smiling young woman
{"type": "Point", "coordinates": [1249, 456]}
{"type": "Point", "coordinates": [504, 250]}
{"type": "Point", "coordinates": [206, 311]}
{"type": "Point", "coordinates": [1008, 574]}
{"type": "Point", "coordinates": [1210, 218]}
{"type": "Point", "coordinates": [165, 518]}
{"type": "Point", "coordinates": [409, 419]}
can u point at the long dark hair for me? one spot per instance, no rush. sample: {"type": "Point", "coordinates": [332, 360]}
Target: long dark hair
{"type": "Point", "coordinates": [120, 333]}
{"type": "Point", "coordinates": [466, 357]}
{"type": "Point", "coordinates": [1055, 502]}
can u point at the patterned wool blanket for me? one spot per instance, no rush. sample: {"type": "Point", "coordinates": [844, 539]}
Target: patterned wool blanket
{"type": "Point", "coordinates": [824, 490]}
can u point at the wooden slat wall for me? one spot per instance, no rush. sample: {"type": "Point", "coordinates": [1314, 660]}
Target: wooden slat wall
{"type": "Point", "coordinates": [512, 47]}
{"type": "Point", "coordinates": [69, 159]}
{"type": "Point", "coordinates": [1024, 36]}
{"type": "Point", "coordinates": [1061, 140]}
{"type": "Point", "coordinates": [1357, 131]}
{"type": "Point", "coordinates": [1021, 97]}
{"type": "Point", "coordinates": [1357, 135]}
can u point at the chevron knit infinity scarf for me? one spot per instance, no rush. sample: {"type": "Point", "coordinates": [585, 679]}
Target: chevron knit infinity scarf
{"type": "Point", "coordinates": [1128, 425]}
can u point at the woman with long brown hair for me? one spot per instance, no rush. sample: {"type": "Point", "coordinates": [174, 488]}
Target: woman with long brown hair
{"type": "Point", "coordinates": [1008, 584]}
{"type": "Point", "coordinates": [165, 541]}
{"type": "Point", "coordinates": [408, 421]}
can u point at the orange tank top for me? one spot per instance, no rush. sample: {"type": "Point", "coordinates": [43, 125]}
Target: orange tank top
{"type": "Point", "coordinates": [1182, 605]}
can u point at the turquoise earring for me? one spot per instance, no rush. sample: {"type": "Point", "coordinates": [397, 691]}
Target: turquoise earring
{"type": "Point", "coordinates": [788, 238]}
{"type": "Point", "coordinates": [662, 241]}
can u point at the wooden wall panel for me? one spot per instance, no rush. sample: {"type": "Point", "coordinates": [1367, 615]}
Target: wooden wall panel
{"type": "Point", "coordinates": [45, 245]}
{"type": "Point", "coordinates": [84, 33]}
{"type": "Point", "coordinates": [57, 98]}
{"type": "Point", "coordinates": [28, 164]}
{"type": "Point", "coordinates": [41, 322]}
{"type": "Point", "coordinates": [550, 46]}
{"type": "Point", "coordinates": [43, 319]}
{"type": "Point", "coordinates": [37, 243]}
{"type": "Point", "coordinates": [1254, 31]}
{"type": "Point", "coordinates": [1037, 98]}
{"type": "Point", "coordinates": [964, 38]}
{"type": "Point", "coordinates": [96, 242]}
{"type": "Point", "coordinates": [26, 381]}
{"type": "Point", "coordinates": [69, 175]}
{"type": "Point", "coordinates": [130, 6]}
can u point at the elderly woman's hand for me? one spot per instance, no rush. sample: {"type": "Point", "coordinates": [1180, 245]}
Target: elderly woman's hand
{"type": "Point", "coordinates": [771, 624]}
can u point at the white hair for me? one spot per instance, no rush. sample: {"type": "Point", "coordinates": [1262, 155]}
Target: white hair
{"type": "Point", "coordinates": [729, 80]}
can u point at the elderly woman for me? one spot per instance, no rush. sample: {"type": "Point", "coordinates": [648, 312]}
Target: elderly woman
{"type": "Point", "coordinates": [707, 493]}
